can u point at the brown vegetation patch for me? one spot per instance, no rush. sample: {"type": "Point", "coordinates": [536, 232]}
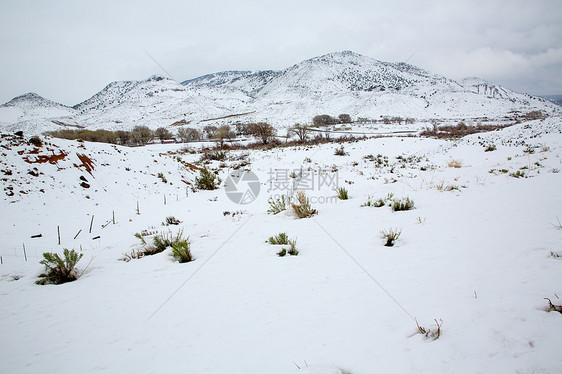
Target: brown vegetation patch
{"type": "Point", "coordinates": [190, 166]}
{"type": "Point", "coordinates": [460, 130]}
{"type": "Point", "coordinates": [229, 116]}
{"type": "Point", "coordinates": [41, 159]}
{"type": "Point", "coordinates": [181, 122]}
{"type": "Point", "coordinates": [87, 163]}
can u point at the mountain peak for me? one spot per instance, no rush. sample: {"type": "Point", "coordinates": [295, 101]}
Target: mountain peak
{"type": "Point", "coordinates": [32, 98]}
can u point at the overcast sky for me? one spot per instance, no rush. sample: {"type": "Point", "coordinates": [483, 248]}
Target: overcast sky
{"type": "Point", "coordinates": [69, 50]}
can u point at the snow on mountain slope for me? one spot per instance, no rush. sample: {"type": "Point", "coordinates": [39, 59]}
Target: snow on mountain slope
{"type": "Point", "coordinates": [25, 111]}
{"type": "Point", "coordinates": [347, 82]}
{"type": "Point", "coordinates": [478, 254]}
{"type": "Point", "coordinates": [342, 82]}
{"type": "Point", "coordinates": [154, 102]}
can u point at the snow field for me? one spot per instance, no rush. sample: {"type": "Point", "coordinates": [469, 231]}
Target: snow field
{"type": "Point", "coordinates": [476, 257]}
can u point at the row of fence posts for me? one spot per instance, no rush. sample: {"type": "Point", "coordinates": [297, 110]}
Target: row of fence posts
{"type": "Point", "coordinates": [90, 229]}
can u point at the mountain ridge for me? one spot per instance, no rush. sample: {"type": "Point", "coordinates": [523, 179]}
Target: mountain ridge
{"type": "Point", "coordinates": [338, 82]}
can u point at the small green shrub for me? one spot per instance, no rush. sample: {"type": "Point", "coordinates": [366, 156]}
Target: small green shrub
{"type": "Point", "coordinates": [302, 207]}
{"type": "Point", "coordinates": [404, 204]}
{"type": "Point", "coordinates": [140, 237]}
{"type": "Point", "coordinates": [59, 270]}
{"type": "Point", "coordinates": [207, 180]}
{"type": "Point", "coordinates": [159, 244]}
{"type": "Point", "coordinates": [390, 235]}
{"type": "Point", "coordinates": [283, 239]}
{"type": "Point", "coordinates": [163, 241]}
{"type": "Point", "coordinates": [518, 174]}
{"type": "Point", "coordinates": [280, 238]}
{"type": "Point", "coordinates": [181, 251]}
{"type": "Point", "coordinates": [277, 205]}
{"type": "Point", "coordinates": [214, 155]}
{"type": "Point", "coordinates": [374, 203]}
{"type": "Point", "coordinates": [379, 202]}
{"type": "Point", "coordinates": [342, 193]}
{"type": "Point", "coordinates": [293, 251]}
{"type": "Point", "coordinates": [490, 148]}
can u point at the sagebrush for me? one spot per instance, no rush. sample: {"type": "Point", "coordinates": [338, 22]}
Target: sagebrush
{"type": "Point", "coordinates": [403, 204]}
{"type": "Point", "coordinates": [391, 235]}
{"type": "Point", "coordinates": [181, 250]}
{"type": "Point", "coordinates": [281, 238]}
{"type": "Point", "coordinates": [343, 194]}
{"type": "Point", "coordinates": [59, 270]}
{"type": "Point", "coordinates": [207, 180]}
{"type": "Point", "coordinates": [302, 206]}
{"type": "Point", "coordinates": [277, 205]}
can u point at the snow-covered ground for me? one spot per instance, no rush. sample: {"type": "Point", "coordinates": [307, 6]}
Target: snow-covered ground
{"type": "Point", "coordinates": [475, 255]}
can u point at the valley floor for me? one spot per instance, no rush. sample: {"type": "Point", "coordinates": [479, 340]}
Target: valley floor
{"type": "Point", "coordinates": [478, 255]}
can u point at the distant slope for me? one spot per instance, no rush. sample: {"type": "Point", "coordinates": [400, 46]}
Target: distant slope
{"type": "Point", "coordinates": [557, 99]}
{"type": "Point", "coordinates": [341, 82]}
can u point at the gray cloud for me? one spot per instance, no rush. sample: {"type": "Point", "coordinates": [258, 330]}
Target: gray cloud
{"type": "Point", "coordinates": [67, 51]}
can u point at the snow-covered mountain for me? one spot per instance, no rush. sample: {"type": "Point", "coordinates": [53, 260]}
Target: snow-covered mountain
{"type": "Point", "coordinates": [341, 82]}
{"type": "Point", "coordinates": [31, 111]}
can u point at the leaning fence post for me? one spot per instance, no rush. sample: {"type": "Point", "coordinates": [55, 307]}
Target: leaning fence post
{"type": "Point", "coordinates": [78, 233]}
{"type": "Point", "coordinates": [91, 223]}
{"type": "Point", "coordinates": [24, 253]}
{"type": "Point", "coordinates": [58, 233]}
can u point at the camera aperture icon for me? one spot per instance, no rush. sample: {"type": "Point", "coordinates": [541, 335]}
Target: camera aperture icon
{"type": "Point", "coordinates": [242, 187]}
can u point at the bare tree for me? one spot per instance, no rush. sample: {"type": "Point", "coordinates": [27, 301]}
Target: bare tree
{"type": "Point", "coordinates": [188, 134]}
{"type": "Point", "coordinates": [124, 137]}
{"type": "Point", "coordinates": [141, 135]}
{"type": "Point", "coordinates": [223, 133]}
{"type": "Point", "coordinates": [264, 131]}
{"type": "Point", "coordinates": [209, 131]}
{"type": "Point", "coordinates": [301, 131]}
{"type": "Point", "coordinates": [344, 118]}
{"type": "Point", "coordinates": [324, 120]}
{"type": "Point", "coordinates": [162, 133]}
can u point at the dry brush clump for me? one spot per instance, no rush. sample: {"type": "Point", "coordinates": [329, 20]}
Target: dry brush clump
{"type": "Point", "coordinates": [302, 206]}
{"type": "Point", "coordinates": [455, 164]}
{"type": "Point", "coordinates": [553, 307]}
{"type": "Point", "coordinates": [459, 130]}
{"type": "Point", "coordinates": [432, 334]}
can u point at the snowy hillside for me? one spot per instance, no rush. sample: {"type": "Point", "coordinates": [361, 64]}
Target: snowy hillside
{"type": "Point", "coordinates": [342, 82]}
{"type": "Point", "coordinates": [30, 111]}
{"type": "Point", "coordinates": [477, 256]}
